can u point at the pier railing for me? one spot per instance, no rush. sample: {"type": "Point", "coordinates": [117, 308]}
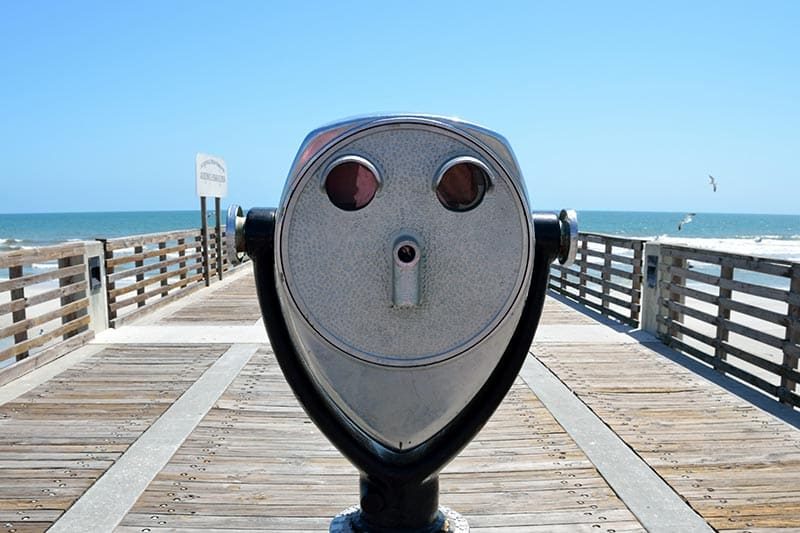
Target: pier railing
{"type": "Point", "coordinates": [740, 314]}
{"type": "Point", "coordinates": [606, 276]}
{"type": "Point", "coordinates": [147, 270]}
{"type": "Point", "coordinates": [43, 314]}
{"type": "Point", "coordinates": [56, 297]}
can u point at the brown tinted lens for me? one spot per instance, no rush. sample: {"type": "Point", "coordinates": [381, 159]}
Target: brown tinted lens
{"type": "Point", "coordinates": [462, 187]}
{"type": "Point", "coordinates": [350, 186]}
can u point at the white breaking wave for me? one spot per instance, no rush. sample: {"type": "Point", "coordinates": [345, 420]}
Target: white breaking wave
{"type": "Point", "coordinates": [787, 249]}
{"type": "Point", "coordinates": [44, 266]}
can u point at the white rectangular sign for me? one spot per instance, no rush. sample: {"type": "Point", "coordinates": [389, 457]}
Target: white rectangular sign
{"type": "Point", "coordinates": [212, 176]}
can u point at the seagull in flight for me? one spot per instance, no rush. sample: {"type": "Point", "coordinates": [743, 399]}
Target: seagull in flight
{"type": "Point", "coordinates": [688, 218]}
{"type": "Point", "coordinates": [712, 182]}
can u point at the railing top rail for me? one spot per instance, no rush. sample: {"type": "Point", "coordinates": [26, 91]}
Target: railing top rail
{"type": "Point", "coordinates": [40, 254]}
{"type": "Point", "coordinates": [765, 265]}
{"type": "Point", "coordinates": [149, 238]}
{"type": "Point", "coordinates": [614, 239]}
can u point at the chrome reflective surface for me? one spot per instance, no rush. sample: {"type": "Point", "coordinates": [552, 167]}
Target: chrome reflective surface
{"type": "Point", "coordinates": [400, 355]}
{"type": "Point", "coordinates": [234, 231]}
{"type": "Point", "coordinates": [568, 219]}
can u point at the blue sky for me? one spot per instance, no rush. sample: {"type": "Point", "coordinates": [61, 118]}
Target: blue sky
{"type": "Point", "coordinates": [608, 105]}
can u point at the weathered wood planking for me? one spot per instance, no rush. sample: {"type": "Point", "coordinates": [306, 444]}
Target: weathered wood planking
{"type": "Point", "coordinates": [257, 463]}
{"type": "Point", "coordinates": [235, 303]}
{"type": "Point", "coordinates": [736, 466]}
{"type": "Point", "coordinates": [57, 439]}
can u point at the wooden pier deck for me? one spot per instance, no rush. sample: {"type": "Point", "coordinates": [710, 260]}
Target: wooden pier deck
{"type": "Point", "coordinates": [182, 421]}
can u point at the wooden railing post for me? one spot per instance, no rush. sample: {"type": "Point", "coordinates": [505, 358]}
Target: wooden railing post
{"type": "Point", "coordinates": [790, 348]}
{"type": "Point", "coordinates": [218, 233]}
{"type": "Point", "coordinates": [139, 277]}
{"type": "Point", "coordinates": [636, 282]}
{"type": "Point", "coordinates": [182, 264]}
{"type": "Point", "coordinates": [110, 285]}
{"type": "Point", "coordinates": [723, 315]}
{"type": "Point", "coordinates": [584, 269]}
{"type": "Point", "coordinates": [204, 232]}
{"type": "Point", "coordinates": [606, 277]}
{"type": "Point", "coordinates": [163, 270]}
{"type": "Point", "coordinates": [676, 280]}
{"type": "Point", "coordinates": [19, 315]}
{"type": "Point", "coordinates": [70, 298]}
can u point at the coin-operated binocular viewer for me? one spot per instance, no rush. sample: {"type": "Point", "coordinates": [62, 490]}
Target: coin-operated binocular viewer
{"type": "Point", "coordinates": [401, 280]}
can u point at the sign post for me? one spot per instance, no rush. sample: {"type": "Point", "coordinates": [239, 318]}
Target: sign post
{"type": "Point", "coordinates": [211, 176]}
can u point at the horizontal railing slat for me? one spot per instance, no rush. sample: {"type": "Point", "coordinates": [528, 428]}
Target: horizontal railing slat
{"type": "Point", "coordinates": [773, 267]}
{"type": "Point", "coordinates": [774, 368]}
{"type": "Point", "coordinates": [150, 238]}
{"type": "Point", "coordinates": [113, 293]}
{"type": "Point", "coordinates": [43, 339]}
{"type": "Point", "coordinates": [154, 292]}
{"type": "Point", "coordinates": [40, 254]}
{"type": "Point", "coordinates": [740, 286]}
{"type": "Point", "coordinates": [32, 279]}
{"type": "Point", "coordinates": [148, 254]}
{"type": "Point", "coordinates": [121, 274]}
{"type": "Point", "coordinates": [43, 318]}
{"type": "Point", "coordinates": [755, 312]}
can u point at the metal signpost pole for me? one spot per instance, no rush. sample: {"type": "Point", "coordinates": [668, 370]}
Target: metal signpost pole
{"type": "Point", "coordinates": [218, 230]}
{"type": "Point", "coordinates": [204, 231]}
{"type": "Point", "coordinates": [211, 181]}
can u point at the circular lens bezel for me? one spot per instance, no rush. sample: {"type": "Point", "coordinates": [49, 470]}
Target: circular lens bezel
{"type": "Point", "coordinates": [359, 160]}
{"type": "Point", "coordinates": [463, 160]}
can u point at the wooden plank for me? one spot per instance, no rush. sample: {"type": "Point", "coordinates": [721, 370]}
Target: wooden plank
{"type": "Point", "coordinates": [143, 255]}
{"type": "Point", "coordinates": [611, 256]}
{"type": "Point", "coordinates": [606, 269]}
{"type": "Point", "coordinates": [594, 306]}
{"type": "Point", "coordinates": [741, 286]}
{"type": "Point", "coordinates": [13, 305]}
{"type": "Point", "coordinates": [724, 314]}
{"type": "Point", "coordinates": [792, 345]}
{"type": "Point", "coordinates": [24, 281]}
{"type": "Point", "coordinates": [40, 254]}
{"type": "Point", "coordinates": [598, 294]}
{"type": "Point", "coordinates": [163, 269]}
{"type": "Point", "coordinates": [583, 268]}
{"type": "Point", "coordinates": [636, 282]}
{"type": "Point", "coordinates": [24, 325]}
{"type": "Point", "coordinates": [773, 267]}
{"type": "Point", "coordinates": [584, 278]}
{"type": "Point", "coordinates": [149, 294]}
{"type": "Point", "coordinates": [755, 334]}
{"type": "Point", "coordinates": [27, 345]}
{"type": "Point", "coordinates": [17, 316]}
{"type": "Point", "coordinates": [51, 353]}
{"type": "Point", "coordinates": [286, 471]}
{"type": "Point", "coordinates": [152, 306]}
{"type": "Point", "coordinates": [683, 290]}
{"type": "Point", "coordinates": [180, 260]}
{"type": "Point", "coordinates": [66, 290]}
{"type": "Point", "coordinates": [137, 250]}
{"type": "Point", "coordinates": [150, 238]}
{"type": "Point", "coordinates": [144, 282]}
{"type": "Point", "coordinates": [769, 366]}
{"type": "Point", "coordinates": [615, 240]}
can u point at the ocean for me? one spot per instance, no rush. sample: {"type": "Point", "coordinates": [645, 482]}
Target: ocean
{"type": "Point", "coordinates": [776, 236]}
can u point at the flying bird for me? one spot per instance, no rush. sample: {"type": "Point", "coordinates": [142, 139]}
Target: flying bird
{"type": "Point", "coordinates": [712, 182]}
{"type": "Point", "coordinates": [688, 218]}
